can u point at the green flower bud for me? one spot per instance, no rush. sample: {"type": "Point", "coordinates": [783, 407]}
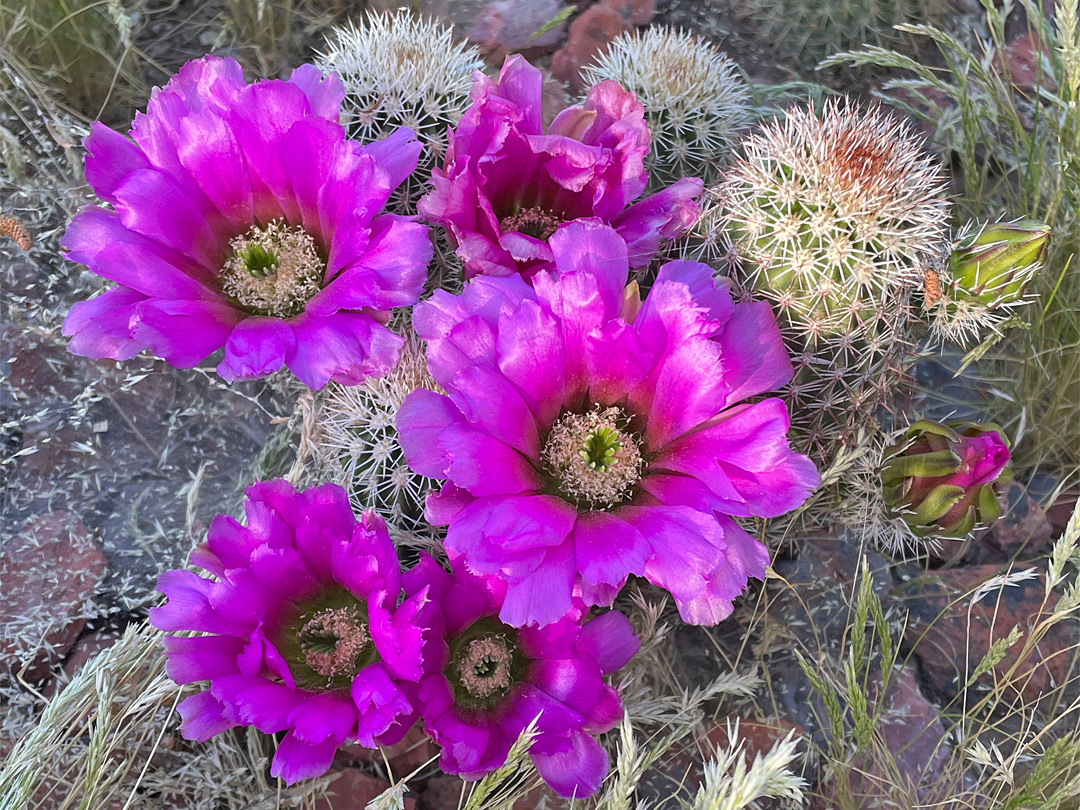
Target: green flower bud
{"type": "Point", "coordinates": [943, 480]}
{"type": "Point", "coordinates": [994, 264]}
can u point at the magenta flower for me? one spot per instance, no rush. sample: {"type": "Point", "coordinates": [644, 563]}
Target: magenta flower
{"type": "Point", "coordinates": [242, 218]}
{"type": "Point", "coordinates": [484, 681]}
{"type": "Point", "coordinates": [585, 439]}
{"type": "Point", "coordinates": [302, 630]}
{"type": "Point", "coordinates": [507, 186]}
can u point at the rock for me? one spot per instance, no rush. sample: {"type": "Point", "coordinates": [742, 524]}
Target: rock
{"type": "Point", "coordinates": [508, 26]}
{"type": "Point", "coordinates": [913, 736]}
{"type": "Point", "coordinates": [812, 606]}
{"type": "Point", "coordinates": [541, 796]}
{"type": "Point", "coordinates": [440, 793]}
{"type": "Point", "coordinates": [85, 650]}
{"type": "Point", "coordinates": [552, 100]}
{"type": "Point", "coordinates": [635, 12]}
{"type": "Point", "coordinates": [950, 634]}
{"type": "Point", "coordinates": [1023, 527]}
{"type": "Point", "coordinates": [50, 570]}
{"type": "Point", "coordinates": [590, 34]}
{"type": "Point", "coordinates": [353, 790]}
{"type": "Point", "coordinates": [674, 777]}
{"type": "Point", "coordinates": [1060, 511]}
{"type": "Point", "coordinates": [1022, 62]}
{"type": "Point", "coordinates": [757, 736]}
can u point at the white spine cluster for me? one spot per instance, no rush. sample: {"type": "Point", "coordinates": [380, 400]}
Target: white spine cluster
{"type": "Point", "coordinates": [831, 214]}
{"type": "Point", "coordinates": [356, 446]}
{"type": "Point", "coordinates": [833, 218]}
{"type": "Point", "coordinates": [402, 70]}
{"type": "Point", "coordinates": [862, 509]}
{"type": "Point", "coordinates": [695, 101]}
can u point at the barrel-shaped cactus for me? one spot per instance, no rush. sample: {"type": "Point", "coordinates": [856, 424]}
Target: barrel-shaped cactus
{"type": "Point", "coordinates": [355, 444]}
{"type": "Point", "coordinates": [401, 69]}
{"type": "Point", "coordinates": [834, 218]}
{"type": "Point", "coordinates": [806, 31]}
{"type": "Point", "coordinates": [695, 100]}
{"type": "Point", "coordinates": [944, 480]}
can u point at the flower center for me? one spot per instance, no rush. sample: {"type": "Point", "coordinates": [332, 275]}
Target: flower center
{"type": "Point", "coordinates": [485, 663]}
{"type": "Point", "coordinates": [332, 640]}
{"type": "Point", "coordinates": [327, 641]}
{"type": "Point", "coordinates": [485, 667]}
{"type": "Point", "coordinates": [593, 458]}
{"type": "Point", "coordinates": [535, 222]}
{"type": "Point", "coordinates": [273, 270]}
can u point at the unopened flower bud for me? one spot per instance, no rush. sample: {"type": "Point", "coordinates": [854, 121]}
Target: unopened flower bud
{"type": "Point", "coordinates": [994, 264]}
{"type": "Point", "coordinates": [943, 480]}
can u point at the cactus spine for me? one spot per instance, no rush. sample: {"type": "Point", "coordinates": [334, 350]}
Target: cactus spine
{"type": "Point", "coordinates": [695, 101]}
{"type": "Point", "coordinates": [402, 70]}
{"type": "Point", "coordinates": [833, 218]}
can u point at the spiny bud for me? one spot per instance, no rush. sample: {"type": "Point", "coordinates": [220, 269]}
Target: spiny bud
{"type": "Point", "coordinates": [943, 480]}
{"type": "Point", "coordinates": [994, 264]}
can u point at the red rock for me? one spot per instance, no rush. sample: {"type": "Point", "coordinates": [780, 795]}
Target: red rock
{"type": "Point", "coordinates": [49, 570]}
{"type": "Point", "coordinates": [37, 369]}
{"type": "Point", "coordinates": [353, 789]}
{"type": "Point", "coordinates": [950, 635]}
{"type": "Point", "coordinates": [1023, 526]}
{"type": "Point", "coordinates": [914, 737]}
{"type": "Point", "coordinates": [507, 26]}
{"type": "Point", "coordinates": [1022, 62]}
{"type": "Point", "coordinates": [552, 100]}
{"type": "Point", "coordinates": [542, 796]}
{"type": "Point", "coordinates": [85, 650]}
{"type": "Point", "coordinates": [590, 34]}
{"type": "Point", "coordinates": [1060, 511]}
{"type": "Point", "coordinates": [758, 736]}
{"type": "Point", "coordinates": [636, 12]}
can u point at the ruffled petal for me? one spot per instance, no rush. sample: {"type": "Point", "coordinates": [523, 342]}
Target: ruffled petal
{"type": "Point", "coordinates": [577, 772]}
{"type": "Point", "coordinates": [104, 326]}
{"type": "Point", "coordinates": [610, 640]}
{"type": "Point", "coordinates": [346, 347]}
{"type": "Point", "coordinates": [256, 346]}
{"type": "Point", "coordinates": [201, 658]}
{"type": "Point", "coordinates": [379, 701]}
{"type": "Point", "coordinates": [664, 215]}
{"type": "Point", "coordinates": [745, 460]}
{"type": "Point", "coordinates": [203, 717]}
{"type": "Point", "coordinates": [296, 759]}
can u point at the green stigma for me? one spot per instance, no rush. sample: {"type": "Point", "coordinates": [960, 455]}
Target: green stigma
{"type": "Point", "coordinates": [259, 260]}
{"type": "Point", "coordinates": [600, 448]}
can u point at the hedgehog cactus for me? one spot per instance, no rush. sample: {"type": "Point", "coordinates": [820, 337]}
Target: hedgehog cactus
{"type": "Point", "coordinates": [402, 70]}
{"type": "Point", "coordinates": [944, 480]}
{"type": "Point", "coordinates": [809, 30]}
{"type": "Point", "coordinates": [695, 101]}
{"type": "Point", "coordinates": [833, 218]}
{"type": "Point", "coordinates": [356, 445]}
{"type": "Point", "coordinates": [988, 271]}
